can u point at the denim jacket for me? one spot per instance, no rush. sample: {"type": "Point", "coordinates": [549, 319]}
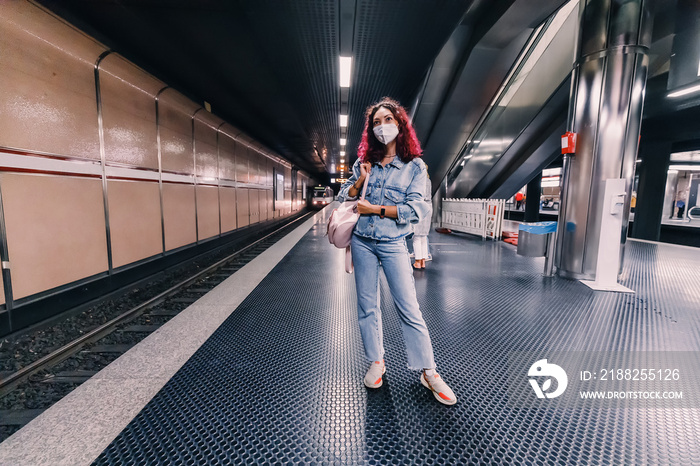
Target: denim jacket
{"type": "Point", "coordinates": [400, 184]}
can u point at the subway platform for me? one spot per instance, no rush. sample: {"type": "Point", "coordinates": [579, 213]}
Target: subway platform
{"type": "Point", "coordinates": [268, 367]}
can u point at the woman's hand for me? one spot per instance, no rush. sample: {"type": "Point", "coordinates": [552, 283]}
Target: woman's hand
{"type": "Point", "coordinates": [365, 207]}
{"type": "Point", "coordinates": [365, 169]}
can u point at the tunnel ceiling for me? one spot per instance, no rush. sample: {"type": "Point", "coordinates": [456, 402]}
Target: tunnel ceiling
{"type": "Point", "coordinates": [270, 67]}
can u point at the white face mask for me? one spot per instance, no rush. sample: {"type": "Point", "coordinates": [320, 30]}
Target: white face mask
{"type": "Point", "coordinates": [386, 133]}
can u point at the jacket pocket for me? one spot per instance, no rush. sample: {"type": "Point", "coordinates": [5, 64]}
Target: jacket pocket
{"type": "Point", "coordinates": [394, 196]}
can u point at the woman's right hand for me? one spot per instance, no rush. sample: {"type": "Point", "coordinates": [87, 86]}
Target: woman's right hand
{"type": "Point", "coordinates": [365, 169]}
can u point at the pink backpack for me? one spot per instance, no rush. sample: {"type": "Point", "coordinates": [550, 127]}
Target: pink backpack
{"type": "Point", "coordinates": [342, 223]}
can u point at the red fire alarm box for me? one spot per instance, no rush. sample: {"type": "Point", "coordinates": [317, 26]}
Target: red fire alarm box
{"type": "Point", "coordinates": [568, 143]}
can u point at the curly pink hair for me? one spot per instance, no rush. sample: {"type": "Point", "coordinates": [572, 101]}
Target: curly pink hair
{"type": "Point", "coordinates": [407, 144]}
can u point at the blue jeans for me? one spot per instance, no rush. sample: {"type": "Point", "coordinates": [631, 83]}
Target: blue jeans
{"type": "Point", "coordinates": [368, 255]}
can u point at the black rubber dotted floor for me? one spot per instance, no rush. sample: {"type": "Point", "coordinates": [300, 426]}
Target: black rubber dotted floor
{"type": "Point", "coordinates": [281, 380]}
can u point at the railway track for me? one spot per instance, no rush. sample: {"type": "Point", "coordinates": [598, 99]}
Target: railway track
{"type": "Point", "coordinates": [59, 372]}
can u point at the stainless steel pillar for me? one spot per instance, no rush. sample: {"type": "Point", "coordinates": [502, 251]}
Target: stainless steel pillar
{"type": "Point", "coordinates": [605, 110]}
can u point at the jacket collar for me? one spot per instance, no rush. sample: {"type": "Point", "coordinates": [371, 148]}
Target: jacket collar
{"type": "Point", "coordinates": [397, 162]}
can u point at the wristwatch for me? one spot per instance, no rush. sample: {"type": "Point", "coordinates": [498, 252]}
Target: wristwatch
{"type": "Point", "coordinates": [382, 211]}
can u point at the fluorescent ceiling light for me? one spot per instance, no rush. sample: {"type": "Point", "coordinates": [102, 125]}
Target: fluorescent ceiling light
{"type": "Point", "coordinates": [687, 91]}
{"type": "Point", "coordinates": [343, 141]}
{"type": "Point", "coordinates": [693, 168]}
{"type": "Point", "coordinates": [345, 68]}
{"type": "Point", "coordinates": [342, 153]}
{"type": "Point", "coordinates": [343, 121]}
{"type": "Point", "coordinates": [342, 160]}
{"type": "Point", "coordinates": [690, 156]}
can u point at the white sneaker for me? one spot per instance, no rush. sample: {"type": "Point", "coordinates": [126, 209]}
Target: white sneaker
{"type": "Point", "coordinates": [440, 390]}
{"type": "Point", "coordinates": [373, 378]}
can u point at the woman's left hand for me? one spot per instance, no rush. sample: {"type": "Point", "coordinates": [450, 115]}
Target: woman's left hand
{"type": "Point", "coordinates": [364, 207]}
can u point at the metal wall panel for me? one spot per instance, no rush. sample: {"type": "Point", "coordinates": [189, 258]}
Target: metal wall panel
{"type": "Point", "coordinates": [227, 161]}
{"type": "Point", "coordinates": [207, 211]}
{"type": "Point", "coordinates": [254, 167]}
{"type": "Point", "coordinates": [47, 96]}
{"type": "Point", "coordinates": [134, 219]}
{"type": "Point", "coordinates": [178, 215]}
{"type": "Point", "coordinates": [287, 190]}
{"type": "Point", "coordinates": [227, 198]}
{"type": "Point", "coordinates": [268, 173]}
{"type": "Point", "coordinates": [262, 204]}
{"type": "Point", "coordinates": [254, 203]}
{"type": "Point", "coordinates": [242, 163]}
{"type": "Point", "coordinates": [270, 210]}
{"type": "Point", "coordinates": [55, 230]}
{"type": "Point", "coordinates": [175, 120]}
{"type": "Point", "coordinates": [128, 113]}
{"type": "Point", "coordinates": [243, 208]}
{"type": "Point", "coordinates": [205, 145]}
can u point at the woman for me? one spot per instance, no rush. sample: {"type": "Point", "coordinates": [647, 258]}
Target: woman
{"type": "Point", "coordinates": [389, 155]}
{"type": "Point", "coordinates": [422, 229]}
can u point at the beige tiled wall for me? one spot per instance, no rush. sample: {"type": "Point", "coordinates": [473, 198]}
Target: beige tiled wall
{"type": "Point", "coordinates": [205, 125]}
{"type": "Point", "coordinates": [135, 231]}
{"type": "Point", "coordinates": [55, 224]}
{"type": "Point", "coordinates": [55, 230]}
{"type": "Point", "coordinates": [270, 212]}
{"type": "Point", "coordinates": [227, 150]}
{"type": "Point", "coordinates": [254, 167]}
{"type": "Point", "coordinates": [178, 215]}
{"type": "Point", "coordinates": [175, 119]}
{"type": "Point", "coordinates": [262, 204]}
{"type": "Point", "coordinates": [48, 84]}
{"type": "Point", "coordinates": [228, 209]}
{"type": "Point", "coordinates": [268, 173]}
{"type": "Point", "coordinates": [242, 163]}
{"type": "Point", "coordinates": [254, 205]}
{"type": "Point", "coordinates": [128, 113]}
{"type": "Point", "coordinates": [207, 211]}
{"type": "Point", "coordinates": [243, 211]}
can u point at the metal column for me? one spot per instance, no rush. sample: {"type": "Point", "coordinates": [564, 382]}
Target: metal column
{"type": "Point", "coordinates": [532, 202]}
{"type": "Point", "coordinates": [605, 110]}
{"type": "Point", "coordinates": [655, 158]}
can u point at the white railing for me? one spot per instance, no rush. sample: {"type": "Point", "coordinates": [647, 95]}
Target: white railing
{"type": "Point", "coordinates": [483, 217]}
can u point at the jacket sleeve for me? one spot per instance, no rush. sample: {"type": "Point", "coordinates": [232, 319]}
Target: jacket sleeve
{"type": "Point", "coordinates": [343, 194]}
{"type": "Point", "coordinates": [415, 208]}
